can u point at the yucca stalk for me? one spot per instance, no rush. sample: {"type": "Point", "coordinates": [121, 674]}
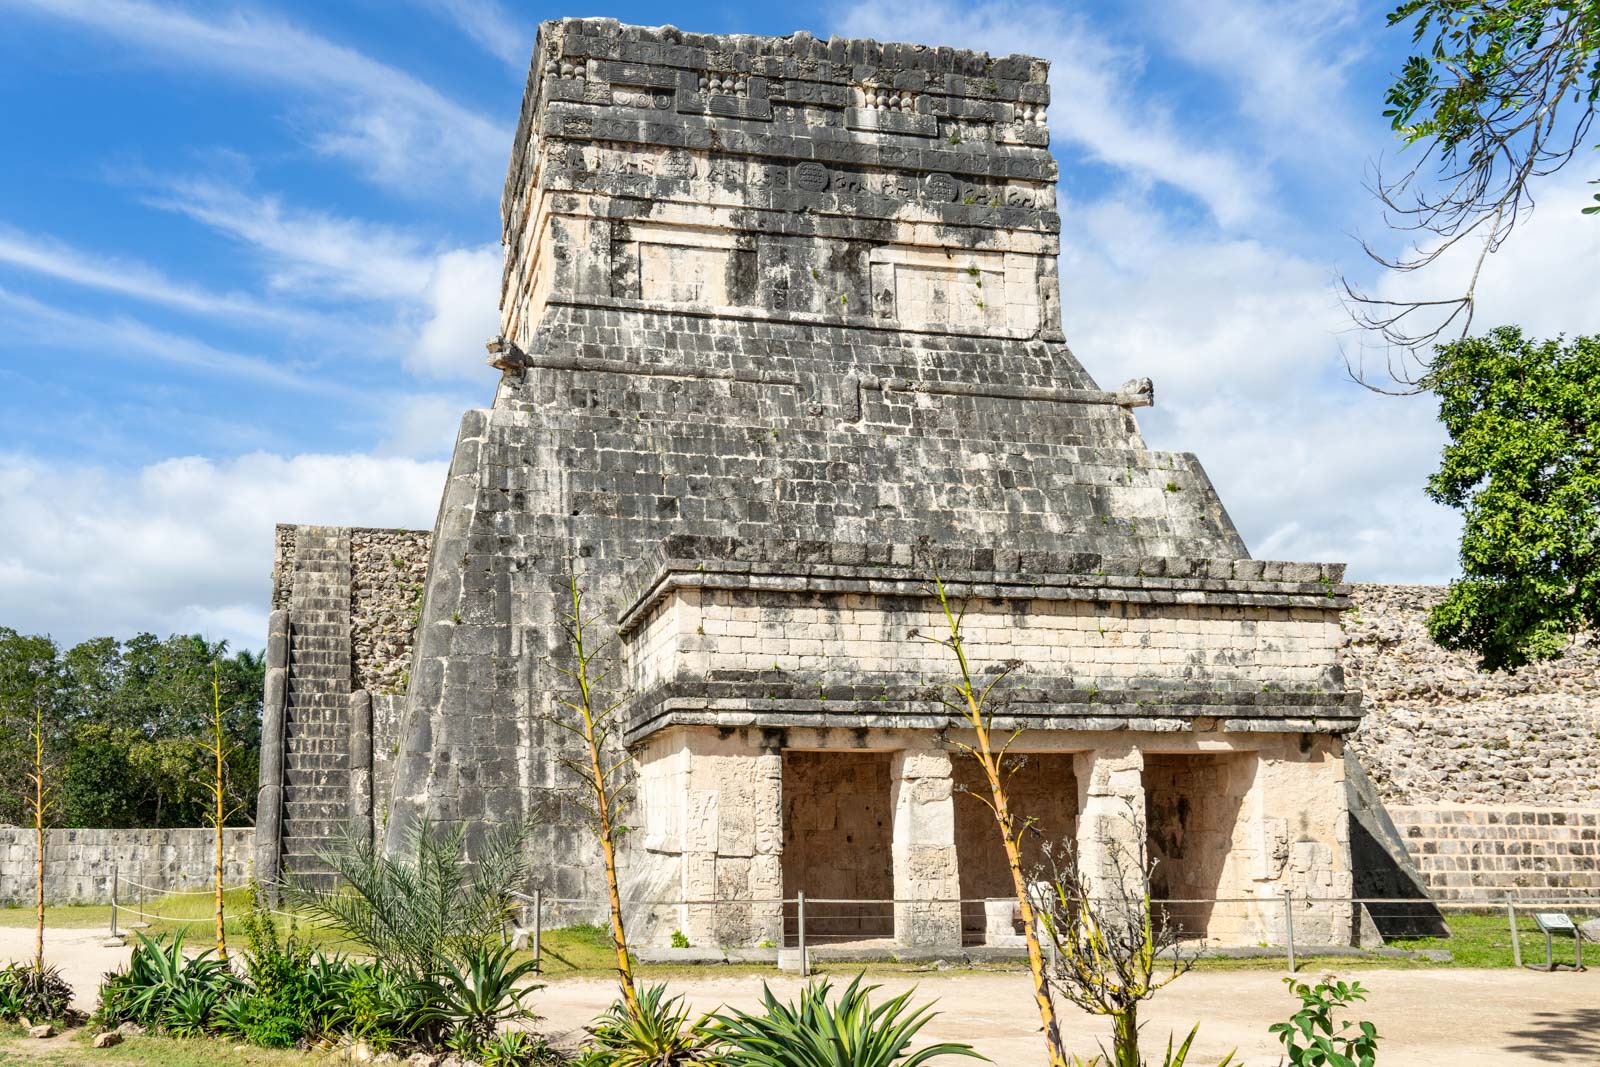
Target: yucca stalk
{"type": "Point", "coordinates": [41, 802]}
{"type": "Point", "coordinates": [591, 719]}
{"type": "Point", "coordinates": [217, 748]}
{"type": "Point", "coordinates": [972, 705]}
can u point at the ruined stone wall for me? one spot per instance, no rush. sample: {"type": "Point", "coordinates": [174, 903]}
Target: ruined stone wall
{"type": "Point", "coordinates": [78, 863]}
{"type": "Point", "coordinates": [1439, 730]}
{"type": "Point", "coordinates": [388, 569]}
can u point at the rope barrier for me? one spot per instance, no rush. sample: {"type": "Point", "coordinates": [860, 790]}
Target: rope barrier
{"type": "Point", "coordinates": [185, 892]}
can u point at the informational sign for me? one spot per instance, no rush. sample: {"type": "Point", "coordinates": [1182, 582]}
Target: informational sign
{"type": "Point", "coordinates": [1555, 922]}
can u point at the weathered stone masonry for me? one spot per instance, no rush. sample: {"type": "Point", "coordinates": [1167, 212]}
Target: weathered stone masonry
{"type": "Point", "coordinates": [780, 332]}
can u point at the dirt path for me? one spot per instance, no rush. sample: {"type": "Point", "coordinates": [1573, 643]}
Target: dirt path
{"type": "Point", "coordinates": [1443, 1018]}
{"type": "Point", "coordinates": [1432, 1018]}
{"type": "Point", "coordinates": [79, 953]}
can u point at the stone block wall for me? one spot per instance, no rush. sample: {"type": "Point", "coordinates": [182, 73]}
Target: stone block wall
{"type": "Point", "coordinates": [1492, 852]}
{"type": "Point", "coordinates": [78, 863]}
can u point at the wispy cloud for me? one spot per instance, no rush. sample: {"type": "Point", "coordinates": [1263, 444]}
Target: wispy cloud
{"type": "Point", "coordinates": [445, 298]}
{"type": "Point", "coordinates": [1286, 64]}
{"type": "Point", "coordinates": [306, 251]}
{"type": "Point", "coordinates": [492, 28]}
{"type": "Point", "coordinates": [53, 329]}
{"type": "Point", "coordinates": [55, 259]}
{"type": "Point", "coordinates": [1094, 105]}
{"type": "Point", "coordinates": [398, 130]}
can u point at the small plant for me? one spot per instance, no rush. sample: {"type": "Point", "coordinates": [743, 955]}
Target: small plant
{"type": "Point", "coordinates": [658, 1034]}
{"type": "Point", "coordinates": [847, 1032]}
{"type": "Point", "coordinates": [1310, 1038]}
{"type": "Point", "coordinates": [470, 1001]}
{"type": "Point", "coordinates": [37, 993]}
{"type": "Point", "coordinates": [518, 1048]}
{"type": "Point", "coordinates": [679, 940]}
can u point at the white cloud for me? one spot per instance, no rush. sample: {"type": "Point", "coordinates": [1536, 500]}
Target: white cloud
{"type": "Point", "coordinates": [1094, 103]}
{"type": "Point", "coordinates": [185, 544]}
{"type": "Point", "coordinates": [492, 28]}
{"type": "Point", "coordinates": [462, 298]}
{"type": "Point", "coordinates": [395, 128]}
{"type": "Point", "coordinates": [1241, 340]}
{"type": "Point", "coordinates": [1543, 278]}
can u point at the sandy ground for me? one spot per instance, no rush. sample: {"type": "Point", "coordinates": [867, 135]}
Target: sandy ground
{"type": "Point", "coordinates": [1432, 1018]}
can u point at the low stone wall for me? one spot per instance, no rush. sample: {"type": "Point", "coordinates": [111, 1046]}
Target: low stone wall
{"type": "Point", "coordinates": [78, 863]}
{"type": "Point", "coordinates": [1491, 852]}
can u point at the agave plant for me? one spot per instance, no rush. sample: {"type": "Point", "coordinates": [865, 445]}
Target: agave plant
{"type": "Point", "coordinates": [848, 1032]}
{"type": "Point", "coordinates": [474, 999]}
{"type": "Point", "coordinates": [158, 972]}
{"type": "Point", "coordinates": [188, 1012]}
{"type": "Point", "coordinates": [659, 1035]}
{"type": "Point", "coordinates": [35, 992]}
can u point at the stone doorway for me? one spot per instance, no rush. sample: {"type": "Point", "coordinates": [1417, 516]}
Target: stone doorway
{"type": "Point", "coordinates": [1042, 787]}
{"type": "Point", "coordinates": [1192, 810]}
{"type": "Point", "coordinates": [838, 829]}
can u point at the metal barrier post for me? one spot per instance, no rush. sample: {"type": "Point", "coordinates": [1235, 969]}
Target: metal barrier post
{"type": "Point", "coordinates": [1288, 925]}
{"type": "Point", "coordinates": [800, 937]}
{"type": "Point", "coordinates": [113, 900]}
{"type": "Point", "coordinates": [538, 926]}
{"type": "Point", "coordinates": [1516, 942]}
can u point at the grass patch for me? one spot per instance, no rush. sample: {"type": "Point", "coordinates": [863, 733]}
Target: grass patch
{"type": "Point", "coordinates": [1483, 939]}
{"type": "Point", "coordinates": [150, 1051]}
{"type": "Point", "coordinates": [192, 914]}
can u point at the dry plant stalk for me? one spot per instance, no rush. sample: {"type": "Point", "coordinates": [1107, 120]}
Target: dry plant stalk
{"type": "Point", "coordinates": [602, 779]}
{"type": "Point", "coordinates": [972, 705]}
{"type": "Point", "coordinates": [218, 748]}
{"type": "Point", "coordinates": [41, 801]}
{"type": "Point", "coordinates": [1112, 949]}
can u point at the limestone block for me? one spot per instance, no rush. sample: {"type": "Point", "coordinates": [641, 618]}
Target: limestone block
{"type": "Point", "coordinates": [701, 831]}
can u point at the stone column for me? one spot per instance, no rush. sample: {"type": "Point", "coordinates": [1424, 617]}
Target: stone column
{"type": "Point", "coordinates": [1111, 818]}
{"type": "Point", "coordinates": [269, 800]}
{"type": "Point", "coordinates": [361, 766]}
{"type": "Point", "coordinates": [925, 850]}
{"type": "Point", "coordinates": [766, 867]}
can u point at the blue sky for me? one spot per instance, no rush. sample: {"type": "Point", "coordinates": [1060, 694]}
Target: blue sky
{"type": "Point", "coordinates": [248, 258]}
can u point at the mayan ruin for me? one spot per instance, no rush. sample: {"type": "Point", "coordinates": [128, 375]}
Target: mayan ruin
{"type": "Point", "coordinates": [781, 336]}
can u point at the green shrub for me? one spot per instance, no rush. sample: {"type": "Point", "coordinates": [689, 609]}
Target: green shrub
{"type": "Point", "coordinates": [34, 993]}
{"type": "Point", "coordinates": [679, 939]}
{"type": "Point", "coordinates": [1311, 1038]}
{"type": "Point", "coordinates": [659, 1036]}
{"type": "Point", "coordinates": [849, 1032]}
{"type": "Point", "coordinates": [156, 975]}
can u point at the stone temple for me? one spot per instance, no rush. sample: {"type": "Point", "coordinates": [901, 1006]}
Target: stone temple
{"type": "Point", "coordinates": [781, 333]}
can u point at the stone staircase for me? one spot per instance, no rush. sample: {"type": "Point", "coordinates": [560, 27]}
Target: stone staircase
{"type": "Point", "coordinates": [316, 753]}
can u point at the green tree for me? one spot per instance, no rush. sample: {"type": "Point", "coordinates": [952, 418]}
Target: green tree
{"type": "Point", "coordinates": [1498, 93]}
{"type": "Point", "coordinates": [31, 684]}
{"type": "Point", "coordinates": [122, 718]}
{"type": "Point", "coordinates": [1523, 467]}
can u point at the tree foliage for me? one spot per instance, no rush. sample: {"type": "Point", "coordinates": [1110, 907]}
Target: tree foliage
{"type": "Point", "coordinates": [1523, 466]}
{"type": "Point", "coordinates": [122, 718]}
{"type": "Point", "coordinates": [1499, 93]}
